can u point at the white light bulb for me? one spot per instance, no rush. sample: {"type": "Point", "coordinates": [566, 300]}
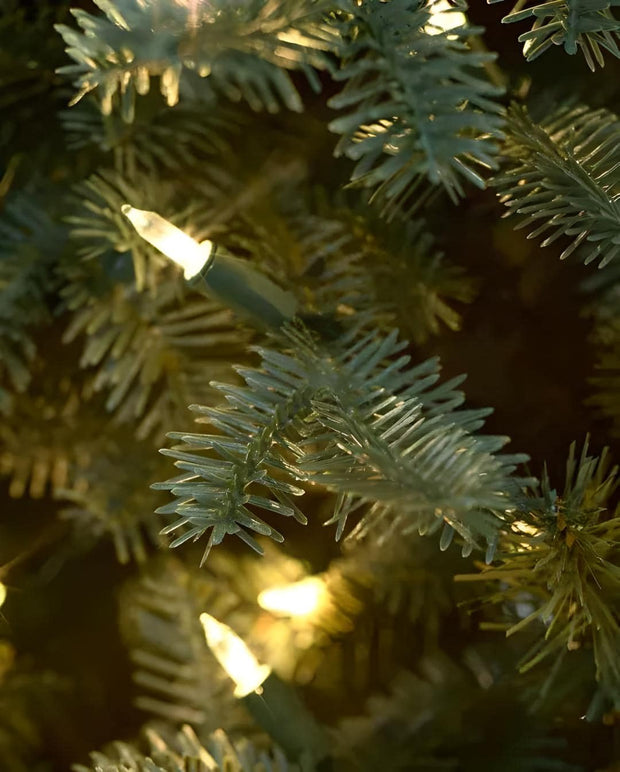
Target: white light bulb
{"type": "Point", "coordinates": [444, 17]}
{"type": "Point", "coordinates": [295, 600]}
{"type": "Point", "coordinates": [234, 656]}
{"type": "Point", "coordinates": [172, 241]}
{"type": "Point", "coordinates": [2, 593]}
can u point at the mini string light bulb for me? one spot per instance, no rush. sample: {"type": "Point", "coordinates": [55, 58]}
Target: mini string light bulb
{"type": "Point", "coordinates": [444, 16]}
{"type": "Point", "coordinates": [2, 594]}
{"type": "Point", "coordinates": [234, 656]}
{"type": "Point", "coordinates": [298, 599]}
{"type": "Point", "coordinates": [274, 704]}
{"type": "Point", "coordinates": [170, 240]}
{"type": "Point", "coordinates": [211, 270]}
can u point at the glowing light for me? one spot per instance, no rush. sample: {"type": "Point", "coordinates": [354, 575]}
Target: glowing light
{"type": "Point", "coordinates": [295, 600]}
{"type": "Point", "coordinates": [234, 656]}
{"type": "Point", "coordinates": [522, 527]}
{"type": "Point", "coordinates": [444, 17]}
{"type": "Point", "coordinates": [170, 240]}
{"type": "Point", "coordinates": [2, 593]}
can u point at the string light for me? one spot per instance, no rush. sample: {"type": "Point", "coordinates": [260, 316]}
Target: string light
{"type": "Point", "coordinates": [444, 17]}
{"type": "Point", "coordinates": [295, 600]}
{"type": "Point", "coordinates": [234, 656]}
{"type": "Point", "coordinates": [172, 241]}
{"type": "Point", "coordinates": [274, 704]}
{"type": "Point", "coordinates": [216, 273]}
{"type": "Point", "coordinates": [2, 594]}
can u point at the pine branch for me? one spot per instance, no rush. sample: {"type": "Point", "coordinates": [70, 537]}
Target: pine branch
{"type": "Point", "coordinates": [589, 25]}
{"type": "Point", "coordinates": [343, 259]}
{"type": "Point", "coordinates": [108, 499]}
{"type": "Point", "coordinates": [177, 676]}
{"type": "Point", "coordinates": [393, 274]}
{"type": "Point", "coordinates": [159, 140]}
{"type": "Point", "coordinates": [404, 575]}
{"type": "Point", "coordinates": [562, 557]}
{"type": "Point", "coordinates": [187, 754]}
{"type": "Point", "coordinates": [415, 104]}
{"type": "Point", "coordinates": [388, 434]}
{"type": "Point", "coordinates": [565, 172]}
{"type": "Point", "coordinates": [215, 492]}
{"type": "Point", "coordinates": [29, 704]}
{"type": "Point", "coordinates": [355, 418]}
{"type": "Point", "coordinates": [153, 350]}
{"type": "Point", "coordinates": [245, 50]}
{"type": "Point", "coordinates": [30, 243]}
{"type": "Point", "coordinates": [47, 436]}
{"type": "Point", "coordinates": [30, 91]}
{"type": "Point", "coordinates": [419, 725]}
{"type": "Point", "coordinates": [56, 442]}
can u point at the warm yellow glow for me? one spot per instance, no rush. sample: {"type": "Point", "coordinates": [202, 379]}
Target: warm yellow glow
{"type": "Point", "coordinates": [521, 527]}
{"type": "Point", "coordinates": [2, 593]}
{"type": "Point", "coordinates": [295, 600]}
{"type": "Point", "coordinates": [444, 17]}
{"type": "Point", "coordinates": [169, 239]}
{"type": "Point", "coordinates": [234, 656]}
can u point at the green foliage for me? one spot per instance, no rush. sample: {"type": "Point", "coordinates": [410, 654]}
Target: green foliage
{"type": "Point", "coordinates": [590, 25]}
{"type": "Point", "coordinates": [29, 703]}
{"type": "Point", "coordinates": [340, 257]}
{"type": "Point", "coordinates": [561, 556]}
{"type": "Point", "coordinates": [30, 91]}
{"type": "Point", "coordinates": [154, 350]}
{"type": "Point", "coordinates": [416, 104]}
{"type": "Point", "coordinates": [396, 274]}
{"type": "Point", "coordinates": [187, 754]}
{"type": "Point", "coordinates": [352, 416]}
{"type": "Point", "coordinates": [29, 242]}
{"type": "Point", "coordinates": [99, 226]}
{"type": "Point", "coordinates": [177, 676]}
{"type": "Point", "coordinates": [245, 49]}
{"type": "Point", "coordinates": [108, 499]}
{"type": "Point", "coordinates": [450, 719]}
{"type": "Point", "coordinates": [565, 172]}
{"type": "Point", "coordinates": [159, 140]}
{"type": "Point", "coordinates": [404, 575]}
{"type": "Point", "coordinates": [46, 437]}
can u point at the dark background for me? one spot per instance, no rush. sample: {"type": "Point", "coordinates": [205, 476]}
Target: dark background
{"type": "Point", "coordinates": [524, 345]}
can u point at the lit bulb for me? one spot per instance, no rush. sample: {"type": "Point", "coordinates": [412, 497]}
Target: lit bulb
{"type": "Point", "coordinates": [234, 656]}
{"type": "Point", "coordinates": [444, 17]}
{"type": "Point", "coordinates": [2, 593]}
{"type": "Point", "coordinates": [295, 600]}
{"type": "Point", "coordinates": [170, 240]}
{"type": "Point", "coordinates": [526, 528]}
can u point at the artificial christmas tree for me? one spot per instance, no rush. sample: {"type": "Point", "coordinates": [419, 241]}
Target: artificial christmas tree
{"type": "Point", "coordinates": [241, 233]}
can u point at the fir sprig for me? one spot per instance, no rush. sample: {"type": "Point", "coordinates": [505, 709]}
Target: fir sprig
{"type": "Point", "coordinates": [562, 557]}
{"type": "Point", "coordinates": [175, 674]}
{"type": "Point", "coordinates": [589, 25]}
{"type": "Point", "coordinates": [185, 753]}
{"type": "Point", "coordinates": [564, 171]}
{"type": "Point", "coordinates": [244, 49]}
{"type": "Point", "coordinates": [388, 433]}
{"type": "Point", "coordinates": [354, 417]}
{"type": "Point", "coordinates": [414, 104]}
{"type": "Point", "coordinates": [144, 346]}
{"type": "Point", "coordinates": [30, 243]}
{"type": "Point", "coordinates": [413, 726]}
{"type": "Point", "coordinates": [355, 261]}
